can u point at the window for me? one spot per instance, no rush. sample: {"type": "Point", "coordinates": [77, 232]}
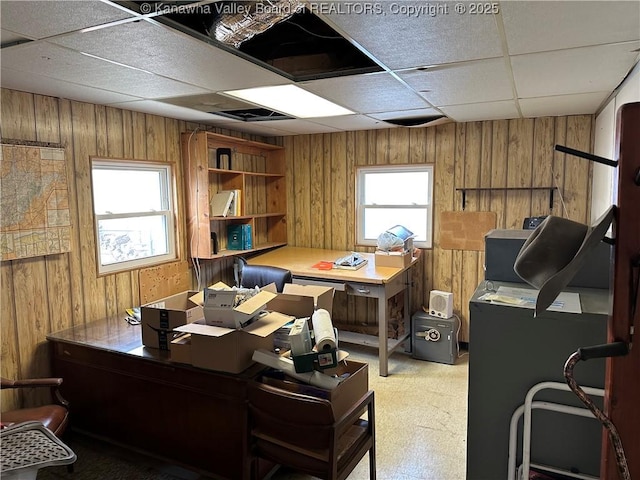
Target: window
{"type": "Point", "coordinates": [394, 195]}
{"type": "Point", "coordinates": [134, 219]}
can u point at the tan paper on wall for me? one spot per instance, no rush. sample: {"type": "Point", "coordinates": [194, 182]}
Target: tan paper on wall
{"type": "Point", "coordinates": [465, 230]}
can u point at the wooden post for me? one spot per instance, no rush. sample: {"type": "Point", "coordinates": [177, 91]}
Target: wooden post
{"type": "Point", "coordinates": [622, 385]}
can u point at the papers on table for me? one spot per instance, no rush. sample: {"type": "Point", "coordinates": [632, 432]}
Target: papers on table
{"type": "Point", "coordinates": [568, 302]}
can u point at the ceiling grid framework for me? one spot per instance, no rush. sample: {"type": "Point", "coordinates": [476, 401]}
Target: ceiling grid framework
{"type": "Point", "coordinates": [518, 59]}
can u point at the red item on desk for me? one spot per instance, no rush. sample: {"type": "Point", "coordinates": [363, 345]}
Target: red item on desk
{"type": "Point", "coordinates": [324, 265]}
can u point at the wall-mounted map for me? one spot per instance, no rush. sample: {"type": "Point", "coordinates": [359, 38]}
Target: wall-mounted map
{"type": "Point", "coordinates": [34, 202]}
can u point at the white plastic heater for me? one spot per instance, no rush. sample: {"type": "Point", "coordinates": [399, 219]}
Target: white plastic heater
{"type": "Point", "coordinates": [441, 304]}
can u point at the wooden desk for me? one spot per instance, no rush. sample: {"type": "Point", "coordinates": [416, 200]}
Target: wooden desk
{"type": "Point", "coordinates": [370, 281]}
{"type": "Point", "coordinates": [134, 396]}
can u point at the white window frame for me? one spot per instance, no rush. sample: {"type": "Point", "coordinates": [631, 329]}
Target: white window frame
{"type": "Point", "coordinates": [167, 197]}
{"type": "Point", "coordinates": [361, 172]}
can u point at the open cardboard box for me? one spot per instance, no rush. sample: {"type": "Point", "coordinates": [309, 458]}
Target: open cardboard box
{"type": "Point", "coordinates": [229, 349]}
{"type": "Point", "coordinates": [161, 317]}
{"type": "Point", "coordinates": [393, 259]}
{"type": "Point", "coordinates": [301, 300]}
{"type": "Point", "coordinates": [219, 310]}
{"type": "Point", "coordinates": [342, 397]}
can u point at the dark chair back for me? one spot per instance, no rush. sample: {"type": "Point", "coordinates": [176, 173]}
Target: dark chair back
{"type": "Point", "coordinates": [250, 276]}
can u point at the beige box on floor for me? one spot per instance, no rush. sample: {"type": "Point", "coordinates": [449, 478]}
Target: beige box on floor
{"type": "Point", "coordinates": [392, 259]}
{"type": "Point", "coordinates": [229, 349]}
{"type": "Point", "coordinates": [346, 394]}
{"type": "Point", "coordinates": [159, 318]}
{"type": "Point", "coordinates": [301, 300]}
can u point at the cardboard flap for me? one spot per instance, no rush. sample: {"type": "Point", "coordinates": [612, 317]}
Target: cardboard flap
{"type": "Point", "coordinates": [175, 302]}
{"type": "Point", "coordinates": [262, 327]}
{"type": "Point", "coordinates": [201, 329]}
{"type": "Point", "coordinates": [322, 296]}
{"type": "Point", "coordinates": [256, 302]}
{"type": "Point", "coordinates": [270, 288]}
{"type": "Point", "coordinates": [267, 324]}
{"type": "Point", "coordinates": [297, 305]}
{"type": "Point", "coordinates": [198, 298]}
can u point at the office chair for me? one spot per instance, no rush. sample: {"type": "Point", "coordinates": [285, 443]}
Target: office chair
{"type": "Point", "coordinates": [301, 432]}
{"type": "Point", "coordinates": [54, 416]}
{"type": "Point", "coordinates": [249, 276]}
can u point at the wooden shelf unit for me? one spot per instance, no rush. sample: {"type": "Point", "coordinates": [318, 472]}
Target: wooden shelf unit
{"type": "Point", "coordinates": [258, 171]}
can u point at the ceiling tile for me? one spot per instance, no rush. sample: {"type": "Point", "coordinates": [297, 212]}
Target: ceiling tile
{"type": "Point", "coordinates": [42, 58]}
{"type": "Point", "coordinates": [398, 114]}
{"type": "Point", "coordinates": [257, 128]}
{"type": "Point", "coordinates": [164, 51]}
{"type": "Point", "coordinates": [42, 85]}
{"type": "Point", "coordinates": [408, 34]}
{"type": "Point", "coordinates": [299, 126]}
{"type": "Point", "coordinates": [164, 109]}
{"type": "Point", "coordinates": [482, 111]}
{"type": "Point", "coordinates": [350, 122]}
{"type": "Point", "coordinates": [580, 104]}
{"type": "Point", "coordinates": [568, 24]}
{"type": "Point", "coordinates": [578, 70]}
{"type": "Point", "coordinates": [473, 82]}
{"type": "Point", "coordinates": [371, 93]}
{"type": "Point", "coordinates": [41, 19]}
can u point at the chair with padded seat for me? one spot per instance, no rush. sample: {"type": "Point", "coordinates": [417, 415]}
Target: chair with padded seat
{"type": "Point", "coordinates": [250, 276]}
{"type": "Point", "coordinates": [54, 416]}
{"type": "Point", "coordinates": [301, 432]}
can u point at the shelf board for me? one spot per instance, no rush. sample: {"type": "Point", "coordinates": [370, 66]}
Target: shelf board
{"type": "Point", "coordinates": [464, 191]}
{"type": "Point", "coordinates": [215, 140]}
{"type": "Point", "coordinates": [235, 253]}
{"type": "Point", "coordinates": [247, 217]}
{"type": "Point", "coordinates": [223, 171]}
{"type": "Point", "coordinates": [369, 340]}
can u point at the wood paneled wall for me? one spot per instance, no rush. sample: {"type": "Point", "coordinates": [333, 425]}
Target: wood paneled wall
{"type": "Point", "coordinates": [46, 294]}
{"type": "Point", "coordinates": [504, 153]}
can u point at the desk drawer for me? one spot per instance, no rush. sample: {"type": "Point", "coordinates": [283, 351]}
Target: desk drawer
{"type": "Point", "coordinates": [363, 289]}
{"type": "Point", "coordinates": [338, 286]}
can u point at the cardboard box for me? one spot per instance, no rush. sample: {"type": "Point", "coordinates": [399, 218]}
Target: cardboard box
{"type": "Point", "coordinates": [301, 300]}
{"type": "Point", "coordinates": [394, 259]}
{"type": "Point", "coordinates": [219, 307]}
{"type": "Point", "coordinates": [344, 396]}
{"type": "Point", "coordinates": [161, 317]}
{"type": "Point", "coordinates": [180, 349]}
{"type": "Point", "coordinates": [229, 349]}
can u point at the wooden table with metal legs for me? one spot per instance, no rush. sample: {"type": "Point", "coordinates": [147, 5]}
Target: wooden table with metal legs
{"type": "Point", "coordinates": [372, 281]}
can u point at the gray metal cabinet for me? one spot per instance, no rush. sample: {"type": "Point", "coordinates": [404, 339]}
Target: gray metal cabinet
{"type": "Point", "coordinates": [509, 352]}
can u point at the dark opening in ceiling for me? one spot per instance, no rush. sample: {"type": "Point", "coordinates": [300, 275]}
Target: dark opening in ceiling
{"type": "Point", "coordinates": [288, 38]}
{"type": "Point", "coordinates": [253, 114]}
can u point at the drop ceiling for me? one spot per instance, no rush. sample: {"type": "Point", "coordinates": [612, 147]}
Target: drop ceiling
{"type": "Point", "coordinates": [419, 60]}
